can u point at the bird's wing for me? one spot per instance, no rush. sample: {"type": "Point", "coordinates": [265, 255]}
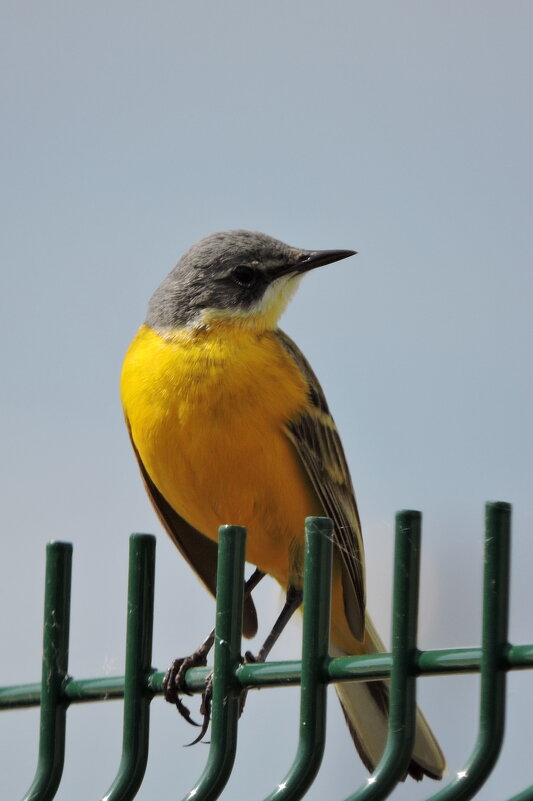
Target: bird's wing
{"type": "Point", "coordinates": [199, 551]}
{"type": "Point", "coordinates": [318, 445]}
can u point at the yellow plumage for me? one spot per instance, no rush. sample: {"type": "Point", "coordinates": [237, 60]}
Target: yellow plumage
{"type": "Point", "coordinates": [207, 410]}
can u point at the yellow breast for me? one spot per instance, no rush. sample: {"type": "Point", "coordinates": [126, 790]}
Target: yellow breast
{"type": "Point", "coordinates": [207, 410]}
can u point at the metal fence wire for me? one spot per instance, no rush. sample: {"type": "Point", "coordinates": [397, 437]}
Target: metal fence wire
{"type": "Point", "coordinates": [313, 673]}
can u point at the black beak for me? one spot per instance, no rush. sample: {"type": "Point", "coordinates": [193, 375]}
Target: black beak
{"type": "Point", "coordinates": [317, 258]}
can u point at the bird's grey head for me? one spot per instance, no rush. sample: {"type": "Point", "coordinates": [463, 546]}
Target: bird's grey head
{"type": "Point", "coordinates": [244, 276]}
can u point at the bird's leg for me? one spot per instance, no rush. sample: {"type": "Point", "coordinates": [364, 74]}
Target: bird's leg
{"type": "Point", "coordinates": [252, 582]}
{"type": "Point", "coordinates": [293, 601]}
{"type": "Point", "coordinates": [174, 680]}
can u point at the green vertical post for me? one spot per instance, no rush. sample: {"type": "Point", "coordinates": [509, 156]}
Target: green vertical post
{"type": "Point", "coordinates": [402, 706]}
{"type": "Point", "coordinates": [316, 624]}
{"type": "Point", "coordinates": [494, 644]}
{"type": "Point", "coordinates": [54, 673]}
{"type": "Point", "coordinates": [137, 696]}
{"type": "Point", "coordinates": [226, 689]}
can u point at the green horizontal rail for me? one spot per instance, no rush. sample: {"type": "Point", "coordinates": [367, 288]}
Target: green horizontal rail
{"type": "Point", "coordinates": [434, 662]}
{"type": "Point", "coordinates": [141, 682]}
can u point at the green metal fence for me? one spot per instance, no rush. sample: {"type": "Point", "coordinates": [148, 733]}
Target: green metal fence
{"type": "Point", "coordinates": [314, 672]}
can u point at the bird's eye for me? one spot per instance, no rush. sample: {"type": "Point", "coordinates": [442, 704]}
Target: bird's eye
{"type": "Point", "coordinates": [245, 276]}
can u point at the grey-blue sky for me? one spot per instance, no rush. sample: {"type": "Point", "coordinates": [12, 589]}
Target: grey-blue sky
{"type": "Point", "coordinates": [403, 131]}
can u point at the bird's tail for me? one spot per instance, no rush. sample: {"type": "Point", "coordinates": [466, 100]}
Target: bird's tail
{"type": "Point", "coordinates": [365, 706]}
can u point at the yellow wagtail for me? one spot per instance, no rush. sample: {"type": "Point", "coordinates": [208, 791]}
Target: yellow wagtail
{"type": "Point", "coordinates": [230, 425]}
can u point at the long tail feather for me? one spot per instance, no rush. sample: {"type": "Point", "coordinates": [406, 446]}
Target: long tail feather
{"type": "Point", "coordinates": [365, 706]}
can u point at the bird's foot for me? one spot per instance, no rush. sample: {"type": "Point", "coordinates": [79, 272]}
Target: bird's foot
{"type": "Point", "coordinates": [205, 709]}
{"type": "Point", "coordinates": [207, 698]}
{"type": "Point", "coordinates": [174, 682]}
{"type": "Point", "coordinates": [249, 659]}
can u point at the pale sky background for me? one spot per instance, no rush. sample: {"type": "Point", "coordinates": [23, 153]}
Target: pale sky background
{"type": "Point", "coordinates": [401, 130]}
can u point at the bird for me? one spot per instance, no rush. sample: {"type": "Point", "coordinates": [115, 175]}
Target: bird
{"type": "Point", "coordinates": [229, 424]}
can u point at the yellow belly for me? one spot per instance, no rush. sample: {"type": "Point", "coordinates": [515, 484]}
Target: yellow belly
{"type": "Point", "coordinates": [207, 412]}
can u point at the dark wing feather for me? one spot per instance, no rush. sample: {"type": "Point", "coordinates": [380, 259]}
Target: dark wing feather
{"type": "Point", "coordinates": [199, 551]}
{"type": "Point", "coordinates": [318, 445]}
